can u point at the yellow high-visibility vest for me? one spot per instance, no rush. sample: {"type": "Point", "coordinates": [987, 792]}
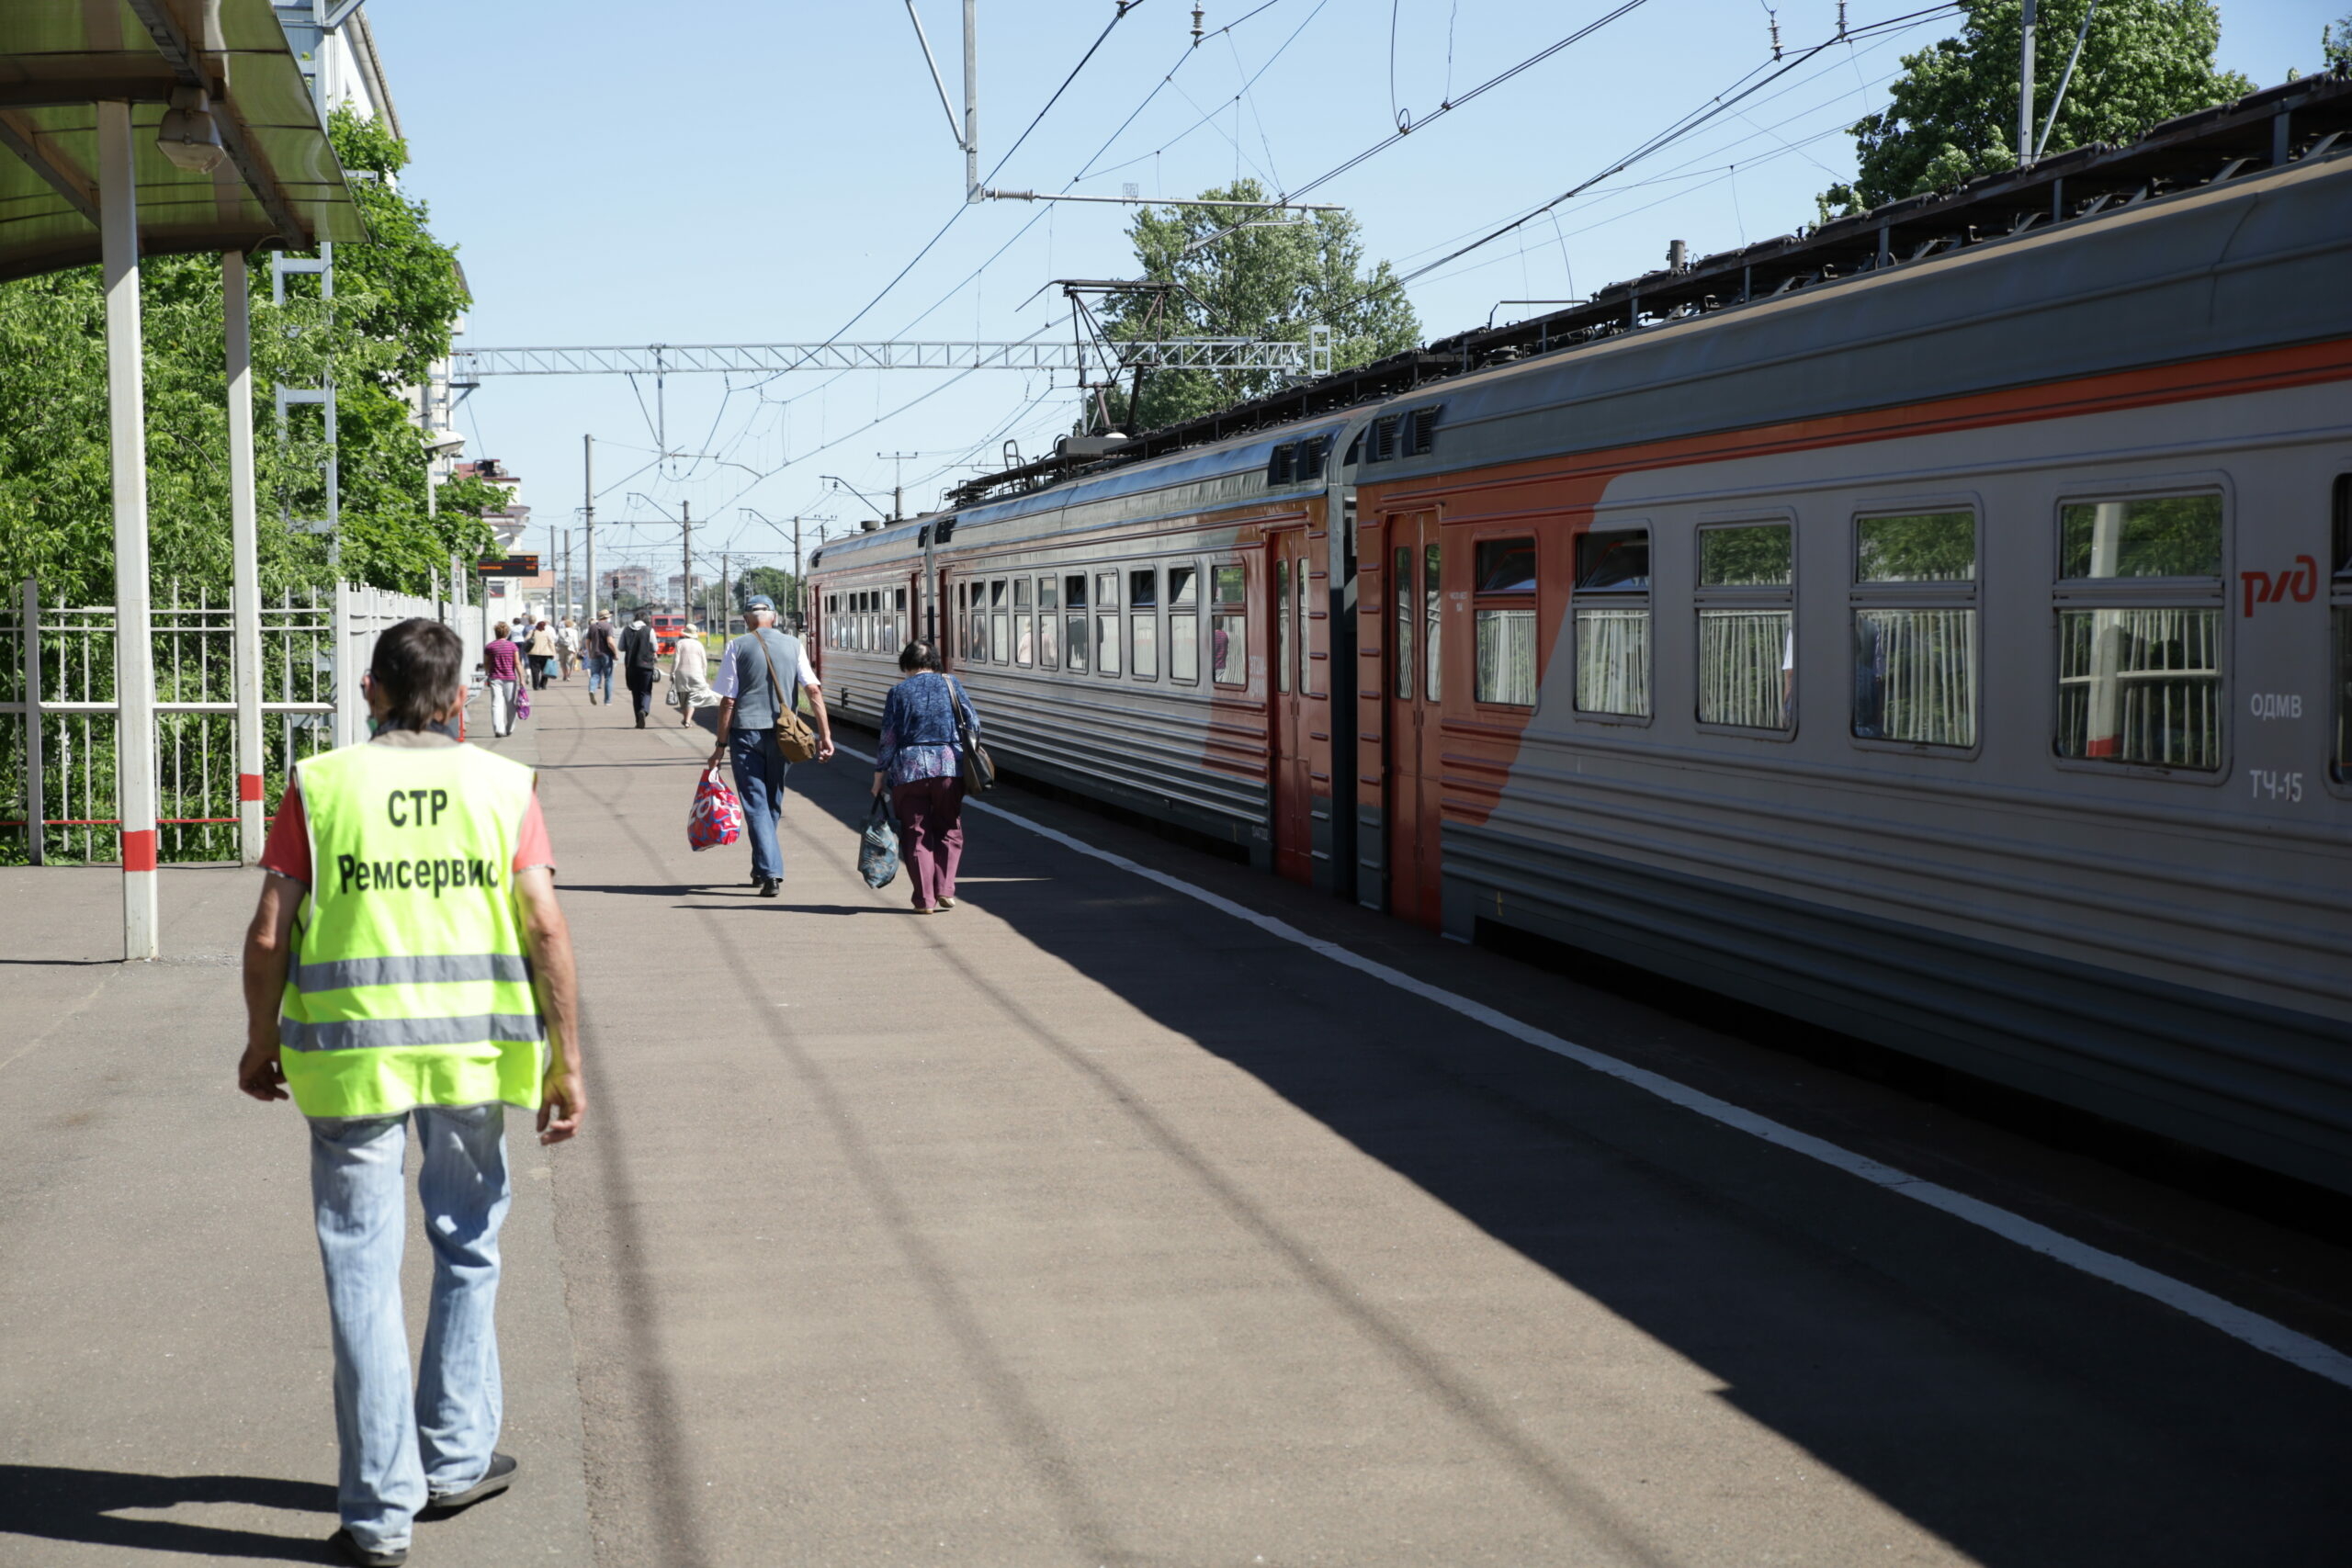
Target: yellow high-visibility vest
{"type": "Point", "coordinates": [410, 984]}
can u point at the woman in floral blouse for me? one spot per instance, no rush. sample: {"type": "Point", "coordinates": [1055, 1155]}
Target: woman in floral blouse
{"type": "Point", "coordinates": [921, 764]}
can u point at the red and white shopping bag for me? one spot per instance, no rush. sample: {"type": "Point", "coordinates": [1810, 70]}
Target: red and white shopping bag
{"type": "Point", "coordinates": [718, 815]}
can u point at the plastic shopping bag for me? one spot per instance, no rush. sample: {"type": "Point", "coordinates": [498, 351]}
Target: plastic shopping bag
{"type": "Point", "coordinates": [717, 814]}
{"type": "Point", "coordinates": [523, 698]}
{"type": "Point", "coordinates": [877, 847]}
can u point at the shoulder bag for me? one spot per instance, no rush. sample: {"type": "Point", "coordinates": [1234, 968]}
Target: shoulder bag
{"type": "Point", "coordinates": [979, 767]}
{"type": "Point", "coordinates": [793, 735]}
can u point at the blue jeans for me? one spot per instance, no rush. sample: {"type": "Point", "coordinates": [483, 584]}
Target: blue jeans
{"type": "Point", "coordinates": [401, 1445]}
{"type": "Point", "coordinates": [759, 779]}
{"type": "Point", "coordinates": [600, 674]}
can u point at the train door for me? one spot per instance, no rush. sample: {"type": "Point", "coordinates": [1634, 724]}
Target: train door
{"type": "Point", "coordinates": [1287, 582]}
{"type": "Point", "coordinates": [1416, 696]}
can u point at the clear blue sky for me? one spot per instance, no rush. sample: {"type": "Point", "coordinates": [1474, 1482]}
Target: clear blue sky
{"type": "Point", "coordinates": [631, 174]}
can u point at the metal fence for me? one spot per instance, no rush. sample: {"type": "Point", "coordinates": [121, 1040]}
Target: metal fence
{"type": "Point", "coordinates": [58, 712]}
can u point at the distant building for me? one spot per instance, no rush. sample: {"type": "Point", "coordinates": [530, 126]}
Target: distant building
{"type": "Point", "coordinates": [509, 521]}
{"type": "Point", "coordinates": [629, 581]}
{"type": "Point", "coordinates": [681, 590]}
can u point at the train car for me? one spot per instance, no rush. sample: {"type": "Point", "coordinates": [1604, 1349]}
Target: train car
{"type": "Point", "coordinates": [1957, 655]}
{"type": "Point", "coordinates": [667, 627]}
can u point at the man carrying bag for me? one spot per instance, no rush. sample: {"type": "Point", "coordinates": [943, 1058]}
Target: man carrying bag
{"type": "Point", "coordinates": [759, 681]}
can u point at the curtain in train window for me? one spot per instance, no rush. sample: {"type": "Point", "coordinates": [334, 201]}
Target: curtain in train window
{"type": "Point", "coordinates": [1143, 624]}
{"type": "Point", "coordinates": [1184, 623]}
{"type": "Point", "coordinates": [1612, 611]}
{"type": "Point", "coordinates": [1747, 624]}
{"type": "Point", "coordinates": [1048, 625]}
{"type": "Point", "coordinates": [1074, 607]}
{"type": "Point", "coordinates": [1229, 628]}
{"type": "Point", "coordinates": [1503, 587]}
{"type": "Point", "coordinates": [1282, 625]}
{"type": "Point", "coordinates": [1024, 634]}
{"type": "Point", "coordinates": [2140, 675]}
{"type": "Point", "coordinates": [1914, 607]}
{"type": "Point", "coordinates": [1106, 623]}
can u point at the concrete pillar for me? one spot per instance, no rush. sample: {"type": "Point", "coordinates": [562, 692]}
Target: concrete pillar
{"type": "Point", "coordinates": [236, 320]}
{"type": "Point", "coordinates": [134, 658]}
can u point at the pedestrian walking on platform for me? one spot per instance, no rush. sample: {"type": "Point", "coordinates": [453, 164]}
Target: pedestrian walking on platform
{"type": "Point", "coordinates": [921, 764]}
{"type": "Point", "coordinates": [640, 665]}
{"type": "Point", "coordinates": [501, 669]}
{"type": "Point", "coordinates": [598, 648]}
{"type": "Point", "coordinates": [759, 679]}
{"type": "Point", "coordinates": [690, 676]}
{"type": "Point", "coordinates": [567, 646]}
{"type": "Point", "coordinates": [543, 646]}
{"type": "Point", "coordinates": [408, 963]}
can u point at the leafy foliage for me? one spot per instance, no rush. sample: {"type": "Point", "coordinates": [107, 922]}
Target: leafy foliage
{"type": "Point", "coordinates": [772, 580]}
{"type": "Point", "coordinates": [1271, 278]}
{"type": "Point", "coordinates": [396, 300]}
{"type": "Point", "coordinates": [2335, 42]}
{"type": "Point", "coordinates": [1954, 114]}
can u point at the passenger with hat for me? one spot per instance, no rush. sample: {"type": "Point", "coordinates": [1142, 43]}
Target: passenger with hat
{"type": "Point", "coordinates": [759, 679]}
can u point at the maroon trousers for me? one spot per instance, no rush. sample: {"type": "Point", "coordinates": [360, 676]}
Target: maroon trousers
{"type": "Point", "coordinates": [930, 836]}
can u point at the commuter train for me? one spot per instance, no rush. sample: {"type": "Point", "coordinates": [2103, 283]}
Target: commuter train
{"type": "Point", "coordinates": [1954, 651]}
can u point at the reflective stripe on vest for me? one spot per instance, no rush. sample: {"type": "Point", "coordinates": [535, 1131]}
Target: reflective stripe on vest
{"type": "Point", "coordinates": [410, 984]}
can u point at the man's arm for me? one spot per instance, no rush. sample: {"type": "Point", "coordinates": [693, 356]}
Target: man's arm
{"type": "Point", "coordinates": [824, 723]}
{"type": "Point", "coordinates": [268, 951]}
{"type": "Point", "coordinates": [726, 722]}
{"type": "Point", "coordinates": [562, 1098]}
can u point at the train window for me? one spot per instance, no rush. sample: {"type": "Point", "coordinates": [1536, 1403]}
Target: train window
{"type": "Point", "coordinates": [1611, 612]}
{"type": "Point", "coordinates": [1024, 628]}
{"type": "Point", "coordinates": [1433, 644]}
{"type": "Point", "coordinates": [1299, 579]}
{"type": "Point", "coordinates": [1049, 626]}
{"type": "Point", "coordinates": [2140, 677]}
{"type": "Point", "coordinates": [1074, 603]}
{"type": "Point", "coordinates": [1184, 623]}
{"type": "Point", "coordinates": [1282, 625]}
{"type": "Point", "coordinates": [1106, 623]}
{"type": "Point", "coordinates": [1000, 623]}
{"type": "Point", "coordinates": [1407, 623]}
{"type": "Point", "coordinates": [1747, 626]}
{"type": "Point", "coordinates": [1913, 610]}
{"type": "Point", "coordinates": [2166, 535]}
{"type": "Point", "coordinates": [1505, 619]}
{"type": "Point", "coordinates": [2339, 611]}
{"type": "Point", "coordinates": [1143, 624]}
{"type": "Point", "coordinates": [1228, 627]}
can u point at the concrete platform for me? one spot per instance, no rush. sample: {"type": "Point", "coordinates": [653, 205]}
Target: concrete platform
{"type": "Point", "coordinates": [1087, 1226]}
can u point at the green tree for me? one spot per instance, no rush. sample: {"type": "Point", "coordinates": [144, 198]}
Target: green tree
{"type": "Point", "coordinates": [772, 580]}
{"type": "Point", "coordinates": [1955, 111]}
{"type": "Point", "coordinates": [396, 300]}
{"type": "Point", "coordinates": [2335, 42]}
{"type": "Point", "coordinates": [1271, 278]}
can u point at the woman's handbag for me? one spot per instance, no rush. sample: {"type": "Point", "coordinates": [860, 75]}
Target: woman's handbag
{"type": "Point", "coordinates": [718, 815]}
{"type": "Point", "coordinates": [877, 847]}
{"type": "Point", "coordinates": [979, 767]}
{"type": "Point", "coordinates": [793, 735]}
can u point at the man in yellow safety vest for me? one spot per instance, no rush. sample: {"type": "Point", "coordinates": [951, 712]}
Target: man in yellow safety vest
{"type": "Point", "coordinates": [408, 960]}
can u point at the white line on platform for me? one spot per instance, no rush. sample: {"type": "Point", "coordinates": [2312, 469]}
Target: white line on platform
{"type": "Point", "coordinates": [2250, 1327]}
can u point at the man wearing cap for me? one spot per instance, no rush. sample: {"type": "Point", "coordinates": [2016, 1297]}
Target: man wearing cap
{"type": "Point", "coordinates": [760, 678]}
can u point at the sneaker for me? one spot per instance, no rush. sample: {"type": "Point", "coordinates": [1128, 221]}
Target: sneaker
{"type": "Point", "coordinates": [496, 1479]}
{"type": "Point", "coordinates": [366, 1556]}
{"type": "Point", "coordinates": [948, 903]}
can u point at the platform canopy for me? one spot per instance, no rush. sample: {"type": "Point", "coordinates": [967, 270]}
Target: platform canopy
{"type": "Point", "coordinates": [279, 184]}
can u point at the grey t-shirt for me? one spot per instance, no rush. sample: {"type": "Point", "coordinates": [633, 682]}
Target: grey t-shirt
{"type": "Point", "coordinates": [745, 676]}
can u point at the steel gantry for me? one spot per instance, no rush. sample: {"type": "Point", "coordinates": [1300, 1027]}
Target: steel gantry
{"type": "Point", "coordinates": [1311, 357]}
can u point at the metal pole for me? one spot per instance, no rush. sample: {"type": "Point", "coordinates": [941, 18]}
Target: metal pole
{"type": "Point", "coordinates": [35, 786]}
{"type": "Point", "coordinates": [685, 558]}
{"type": "Point", "coordinates": [800, 610]}
{"type": "Point", "coordinates": [244, 553]}
{"type": "Point", "coordinates": [134, 648]}
{"type": "Point", "coordinates": [971, 101]}
{"type": "Point", "coordinates": [588, 515]}
{"type": "Point", "coordinates": [2025, 86]}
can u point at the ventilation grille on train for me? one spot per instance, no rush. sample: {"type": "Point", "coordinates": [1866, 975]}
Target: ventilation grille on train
{"type": "Point", "coordinates": [1412, 433]}
{"type": "Point", "coordinates": [1297, 462]}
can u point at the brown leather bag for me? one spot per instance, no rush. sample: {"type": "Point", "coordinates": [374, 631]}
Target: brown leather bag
{"type": "Point", "coordinates": [793, 735]}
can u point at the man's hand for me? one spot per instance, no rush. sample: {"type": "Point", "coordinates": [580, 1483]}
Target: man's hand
{"type": "Point", "coordinates": [824, 748]}
{"type": "Point", "coordinates": [878, 782]}
{"type": "Point", "coordinates": [561, 1104]}
{"type": "Point", "coordinates": [258, 1073]}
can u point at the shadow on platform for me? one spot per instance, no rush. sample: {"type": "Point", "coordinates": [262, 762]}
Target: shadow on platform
{"type": "Point", "coordinates": [86, 1506]}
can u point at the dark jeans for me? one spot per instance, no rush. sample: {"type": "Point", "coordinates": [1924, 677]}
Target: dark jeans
{"type": "Point", "coordinates": [640, 691]}
{"type": "Point", "coordinates": [760, 768]}
{"type": "Point", "coordinates": [546, 662]}
{"type": "Point", "coordinates": [930, 836]}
